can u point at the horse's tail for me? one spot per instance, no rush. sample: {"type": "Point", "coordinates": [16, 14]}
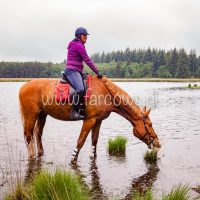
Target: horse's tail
{"type": "Point", "coordinates": [21, 112]}
{"type": "Point", "coordinates": [21, 109]}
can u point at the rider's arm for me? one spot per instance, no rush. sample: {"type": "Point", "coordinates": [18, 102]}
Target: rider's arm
{"type": "Point", "coordinates": [86, 58]}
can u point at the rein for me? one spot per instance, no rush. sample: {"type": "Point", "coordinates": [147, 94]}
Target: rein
{"type": "Point", "coordinates": [150, 138]}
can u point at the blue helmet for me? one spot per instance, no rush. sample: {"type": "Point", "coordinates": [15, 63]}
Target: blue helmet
{"type": "Point", "coordinates": [80, 31]}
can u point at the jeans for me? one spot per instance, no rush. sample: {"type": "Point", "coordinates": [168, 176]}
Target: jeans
{"type": "Point", "coordinates": [76, 80]}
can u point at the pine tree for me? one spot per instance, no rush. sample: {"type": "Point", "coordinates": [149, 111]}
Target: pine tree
{"type": "Point", "coordinates": [127, 54]}
{"type": "Point", "coordinates": [193, 62]}
{"type": "Point", "coordinates": [161, 57]}
{"type": "Point", "coordinates": [174, 62]}
{"type": "Point", "coordinates": [148, 56]}
{"type": "Point", "coordinates": [155, 63]}
{"type": "Point", "coordinates": [183, 65]}
{"type": "Point", "coordinates": [103, 56]}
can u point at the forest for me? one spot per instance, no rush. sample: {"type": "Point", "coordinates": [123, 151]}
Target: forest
{"type": "Point", "coordinates": [135, 63]}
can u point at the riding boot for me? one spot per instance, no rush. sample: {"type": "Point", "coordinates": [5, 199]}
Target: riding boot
{"type": "Point", "coordinates": [76, 107]}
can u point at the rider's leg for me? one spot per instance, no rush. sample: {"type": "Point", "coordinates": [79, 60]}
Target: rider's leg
{"type": "Point", "coordinates": [76, 81]}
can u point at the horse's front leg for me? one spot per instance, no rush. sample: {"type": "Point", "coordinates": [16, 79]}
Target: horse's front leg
{"type": "Point", "coordinates": [95, 136]}
{"type": "Point", "coordinates": [88, 124]}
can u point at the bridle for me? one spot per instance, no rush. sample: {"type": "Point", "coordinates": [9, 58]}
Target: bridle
{"type": "Point", "coordinates": [146, 136]}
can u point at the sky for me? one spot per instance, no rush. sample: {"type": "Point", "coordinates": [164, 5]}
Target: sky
{"type": "Point", "coordinates": [41, 29]}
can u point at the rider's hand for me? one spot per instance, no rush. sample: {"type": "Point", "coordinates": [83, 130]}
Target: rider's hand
{"type": "Point", "coordinates": [99, 76]}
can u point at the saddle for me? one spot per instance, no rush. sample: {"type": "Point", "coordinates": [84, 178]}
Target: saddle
{"type": "Point", "coordinates": [65, 91]}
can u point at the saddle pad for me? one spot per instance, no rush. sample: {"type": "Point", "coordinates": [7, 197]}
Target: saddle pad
{"type": "Point", "coordinates": [62, 93]}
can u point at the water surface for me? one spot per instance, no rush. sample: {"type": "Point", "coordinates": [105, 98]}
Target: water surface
{"type": "Point", "coordinates": [176, 119]}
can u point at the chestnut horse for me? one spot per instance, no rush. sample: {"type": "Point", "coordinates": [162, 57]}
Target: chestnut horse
{"type": "Point", "coordinates": [106, 97]}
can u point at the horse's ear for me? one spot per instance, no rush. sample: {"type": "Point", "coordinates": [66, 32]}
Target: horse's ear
{"type": "Point", "coordinates": [146, 114]}
{"type": "Point", "coordinates": [144, 109]}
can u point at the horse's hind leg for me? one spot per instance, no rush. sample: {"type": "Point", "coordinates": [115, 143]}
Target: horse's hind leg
{"type": "Point", "coordinates": [29, 123]}
{"type": "Point", "coordinates": [95, 136]}
{"type": "Point", "coordinates": [38, 132]}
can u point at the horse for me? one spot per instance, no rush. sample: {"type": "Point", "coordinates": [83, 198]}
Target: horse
{"type": "Point", "coordinates": [106, 97]}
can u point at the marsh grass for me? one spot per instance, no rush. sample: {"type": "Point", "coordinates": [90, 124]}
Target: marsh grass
{"type": "Point", "coordinates": [117, 146]}
{"type": "Point", "coordinates": [148, 195]}
{"type": "Point", "coordinates": [180, 192]}
{"type": "Point", "coordinates": [151, 156]}
{"type": "Point", "coordinates": [21, 192]}
{"type": "Point", "coordinates": [60, 185]}
{"type": "Point", "coordinates": [195, 86]}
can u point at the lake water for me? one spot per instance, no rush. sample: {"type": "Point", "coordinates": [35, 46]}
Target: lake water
{"type": "Point", "coordinates": [176, 119]}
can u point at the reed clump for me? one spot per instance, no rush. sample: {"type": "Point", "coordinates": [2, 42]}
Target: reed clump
{"type": "Point", "coordinates": [117, 146]}
{"type": "Point", "coordinates": [180, 192]}
{"type": "Point", "coordinates": [195, 86]}
{"type": "Point", "coordinates": [60, 185]}
{"type": "Point", "coordinates": [148, 195]}
{"type": "Point", "coordinates": [151, 157]}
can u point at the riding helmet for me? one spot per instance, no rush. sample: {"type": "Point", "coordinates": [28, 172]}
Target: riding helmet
{"type": "Point", "coordinates": [80, 31]}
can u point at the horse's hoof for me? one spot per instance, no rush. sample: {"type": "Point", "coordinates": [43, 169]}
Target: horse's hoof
{"type": "Point", "coordinates": [93, 155]}
{"type": "Point", "coordinates": [40, 153]}
{"type": "Point", "coordinates": [92, 152]}
{"type": "Point", "coordinates": [30, 158]}
{"type": "Point", "coordinates": [74, 162]}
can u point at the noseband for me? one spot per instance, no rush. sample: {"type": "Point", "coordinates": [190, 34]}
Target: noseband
{"type": "Point", "coordinates": [146, 136]}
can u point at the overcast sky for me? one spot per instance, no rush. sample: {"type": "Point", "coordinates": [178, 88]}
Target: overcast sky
{"type": "Point", "coordinates": [40, 29]}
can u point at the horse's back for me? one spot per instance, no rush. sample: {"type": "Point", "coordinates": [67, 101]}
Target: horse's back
{"type": "Point", "coordinates": [31, 92]}
{"type": "Point", "coordinates": [36, 85]}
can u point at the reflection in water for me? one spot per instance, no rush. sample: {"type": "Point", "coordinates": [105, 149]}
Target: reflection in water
{"type": "Point", "coordinates": [144, 182]}
{"type": "Point", "coordinates": [118, 159]}
{"type": "Point", "coordinates": [96, 186]}
{"type": "Point", "coordinates": [33, 167]}
{"type": "Point", "coordinates": [140, 184]}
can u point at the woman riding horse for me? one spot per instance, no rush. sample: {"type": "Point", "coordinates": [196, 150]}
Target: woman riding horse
{"type": "Point", "coordinates": [37, 101]}
{"type": "Point", "coordinates": [74, 67]}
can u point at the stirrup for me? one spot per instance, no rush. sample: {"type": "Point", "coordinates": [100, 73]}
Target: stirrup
{"type": "Point", "coordinates": [76, 116]}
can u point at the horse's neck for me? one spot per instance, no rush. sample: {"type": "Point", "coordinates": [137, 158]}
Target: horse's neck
{"type": "Point", "coordinates": [125, 102]}
{"type": "Point", "coordinates": [124, 114]}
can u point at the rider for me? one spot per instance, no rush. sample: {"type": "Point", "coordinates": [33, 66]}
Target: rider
{"type": "Point", "coordinates": [74, 68]}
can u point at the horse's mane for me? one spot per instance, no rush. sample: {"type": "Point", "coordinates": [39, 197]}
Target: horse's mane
{"type": "Point", "coordinates": [122, 97]}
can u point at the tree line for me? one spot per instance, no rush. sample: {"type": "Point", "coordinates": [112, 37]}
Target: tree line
{"type": "Point", "coordinates": [167, 64]}
{"type": "Point", "coordinates": [136, 63]}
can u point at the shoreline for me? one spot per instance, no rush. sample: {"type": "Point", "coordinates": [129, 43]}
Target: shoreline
{"type": "Point", "coordinates": [117, 79]}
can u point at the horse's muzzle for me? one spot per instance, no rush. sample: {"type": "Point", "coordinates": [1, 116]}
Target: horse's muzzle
{"type": "Point", "coordinates": [154, 144]}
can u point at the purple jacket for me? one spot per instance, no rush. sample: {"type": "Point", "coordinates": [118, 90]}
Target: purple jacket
{"type": "Point", "coordinates": [77, 54]}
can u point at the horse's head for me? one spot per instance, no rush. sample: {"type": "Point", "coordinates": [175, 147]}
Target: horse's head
{"type": "Point", "coordinates": [144, 131]}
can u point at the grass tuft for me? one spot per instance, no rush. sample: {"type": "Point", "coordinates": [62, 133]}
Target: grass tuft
{"type": "Point", "coordinates": [148, 195]}
{"type": "Point", "coordinates": [46, 186]}
{"type": "Point", "coordinates": [61, 185]}
{"type": "Point", "coordinates": [181, 192]}
{"type": "Point", "coordinates": [151, 157]}
{"type": "Point", "coordinates": [20, 193]}
{"type": "Point", "coordinates": [193, 87]}
{"type": "Point", "coordinates": [117, 146]}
